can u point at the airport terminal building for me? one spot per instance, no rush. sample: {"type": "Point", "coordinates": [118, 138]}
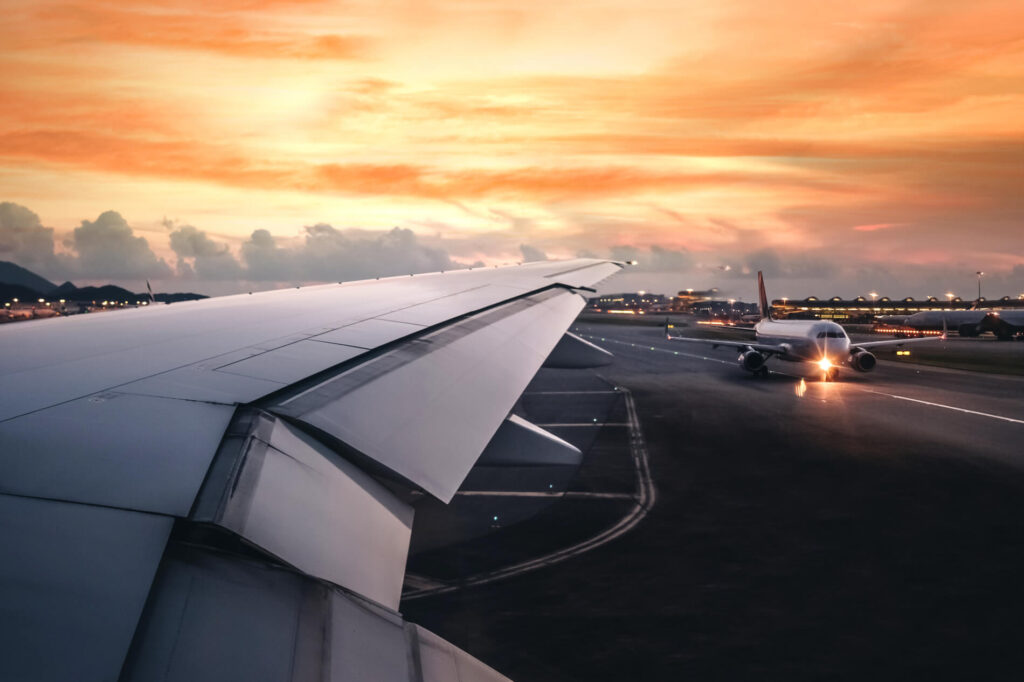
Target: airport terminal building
{"type": "Point", "coordinates": [865, 310]}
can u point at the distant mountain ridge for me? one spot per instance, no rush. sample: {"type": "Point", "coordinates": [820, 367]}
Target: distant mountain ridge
{"type": "Point", "coordinates": [25, 285]}
{"type": "Point", "coordinates": [12, 273]}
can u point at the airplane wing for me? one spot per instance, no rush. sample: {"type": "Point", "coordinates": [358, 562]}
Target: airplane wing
{"type": "Point", "coordinates": [224, 489]}
{"type": "Point", "coordinates": [867, 345]}
{"type": "Point", "coordinates": [893, 342]}
{"type": "Point", "coordinates": [765, 348]}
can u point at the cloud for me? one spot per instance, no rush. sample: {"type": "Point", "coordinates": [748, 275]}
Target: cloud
{"type": "Point", "coordinates": [876, 226]}
{"type": "Point", "coordinates": [654, 258]}
{"type": "Point", "coordinates": [190, 242]}
{"type": "Point", "coordinates": [201, 257]}
{"type": "Point", "coordinates": [265, 260]}
{"type": "Point", "coordinates": [194, 28]}
{"type": "Point", "coordinates": [24, 240]}
{"type": "Point", "coordinates": [329, 254]}
{"type": "Point", "coordinates": [107, 248]}
{"type": "Point", "coordinates": [531, 254]}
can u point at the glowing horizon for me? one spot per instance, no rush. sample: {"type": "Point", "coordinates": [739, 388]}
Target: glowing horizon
{"type": "Point", "coordinates": [872, 138]}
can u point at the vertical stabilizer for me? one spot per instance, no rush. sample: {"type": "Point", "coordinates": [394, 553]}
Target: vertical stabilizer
{"type": "Point", "coordinates": [762, 298]}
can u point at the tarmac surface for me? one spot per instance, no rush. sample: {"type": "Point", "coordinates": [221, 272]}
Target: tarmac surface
{"type": "Point", "coordinates": [871, 527]}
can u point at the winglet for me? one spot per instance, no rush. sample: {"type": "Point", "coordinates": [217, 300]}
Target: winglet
{"type": "Point", "coordinates": [762, 298]}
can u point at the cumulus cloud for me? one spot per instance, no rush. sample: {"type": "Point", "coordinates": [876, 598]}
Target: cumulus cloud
{"type": "Point", "coordinates": [201, 257]}
{"type": "Point", "coordinates": [265, 260]}
{"type": "Point", "coordinates": [107, 248]}
{"type": "Point", "coordinates": [330, 254]}
{"type": "Point", "coordinates": [24, 240]}
{"type": "Point", "coordinates": [531, 253]}
{"type": "Point", "coordinates": [654, 258]}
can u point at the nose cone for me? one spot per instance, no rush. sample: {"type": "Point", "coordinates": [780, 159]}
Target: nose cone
{"type": "Point", "coordinates": [834, 349]}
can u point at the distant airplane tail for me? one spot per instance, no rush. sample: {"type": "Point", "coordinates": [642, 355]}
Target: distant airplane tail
{"type": "Point", "coordinates": [762, 298]}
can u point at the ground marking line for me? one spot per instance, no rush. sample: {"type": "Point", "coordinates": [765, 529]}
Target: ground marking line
{"type": "Point", "coordinates": [647, 346]}
{"type": "Point", "coordinates": [552, 426]}
{"type": "Point", "coordinates": [572, 494]}
{"type": "Point", "coordinates": [947, 407]}
{"type": "Point", "coordinates": [570, 392]}
{"type": "Point", "coordinates": [645, 497]}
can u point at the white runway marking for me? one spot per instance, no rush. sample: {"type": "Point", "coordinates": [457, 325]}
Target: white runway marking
{"type": "Point", "coordinates": [947, 407]}
{"type": "Point", "coordinates": [570, 392]}
{"type": "Point", "coordinates": [644, 497]}
{"type": "Point", "coordinates": [568, 495]}
{"type": "Point", "coordinates": [643, 346]}
{"type": "Point", "coordinates": [551, 426]}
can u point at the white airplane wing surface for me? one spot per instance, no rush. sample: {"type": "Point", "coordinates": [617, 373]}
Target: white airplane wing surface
{"type": "Point", "coordinates": [765, 348]}
{"type": "Point", "coordinates": [221, 490]}
{"type": "Point", "coordinates": [865, 345]}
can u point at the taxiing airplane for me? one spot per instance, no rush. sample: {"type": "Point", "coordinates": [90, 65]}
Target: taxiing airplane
{"type": "Point", "coordinates": [821, 342]}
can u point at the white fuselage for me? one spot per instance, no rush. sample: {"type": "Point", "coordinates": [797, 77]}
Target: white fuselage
{"type": "Point", "coordinates": [806, 340]}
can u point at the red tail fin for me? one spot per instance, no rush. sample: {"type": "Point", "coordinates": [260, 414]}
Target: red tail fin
{"type": "Point", "coordinates": [762, 298]}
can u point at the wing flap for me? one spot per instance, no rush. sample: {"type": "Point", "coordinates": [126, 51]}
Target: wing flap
{"type": "Point", "coordinates": [276, 480]}
{"type": "Point", "coordinates": [426, 409]}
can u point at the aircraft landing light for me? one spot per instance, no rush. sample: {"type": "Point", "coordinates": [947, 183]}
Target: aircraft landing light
{"type": "Point", "coordinates": [903, 352]}
{"type": "Point", "coordinates": [825, 364]}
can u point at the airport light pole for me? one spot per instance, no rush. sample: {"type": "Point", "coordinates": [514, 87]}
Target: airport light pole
{"type": "Point", "coordinates": [979, 273]}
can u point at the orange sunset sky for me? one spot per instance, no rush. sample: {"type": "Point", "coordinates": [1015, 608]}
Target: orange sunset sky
{"type": "Point", "coordinates": [842, 147]}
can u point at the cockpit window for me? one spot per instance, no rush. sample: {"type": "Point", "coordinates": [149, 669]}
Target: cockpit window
{"type": "Point", "coordinates": [831, 335]}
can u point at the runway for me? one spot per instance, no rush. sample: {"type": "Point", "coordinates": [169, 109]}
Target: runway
{"type": "Point", "coordinates": [870, 527]}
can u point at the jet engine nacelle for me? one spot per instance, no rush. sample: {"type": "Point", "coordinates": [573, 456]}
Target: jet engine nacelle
{"type": "Point", "coordinates": [751, 360]}
{"type": "Point", "coordinates": [863, 361]}
{"type": "Point", "coordinates": [969, 330]}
